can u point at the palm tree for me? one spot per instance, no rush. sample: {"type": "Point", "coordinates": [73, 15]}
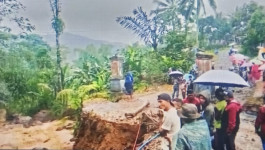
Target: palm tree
{"type": "Point", "coordinates": [150, 30]}
{"type": "Point", "coordinates": [187, 8]}
{"type": "Point", "coordinates": [167, 10]}
{"type": "Point", "coordinates": [58, 25]}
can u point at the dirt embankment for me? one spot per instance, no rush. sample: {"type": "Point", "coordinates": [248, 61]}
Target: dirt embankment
{"type": "Point", "coordinates": [108, 125]}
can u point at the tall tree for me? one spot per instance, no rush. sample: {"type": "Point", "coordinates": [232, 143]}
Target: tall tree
{"type": "Point", "coordinates": [187, 8]}
{"type": "Point", "coordinates": [58, 26]}
{"type": "Point", "coordinates": [9, 9]}
{"type": "Point", "coordinates": [240, 19]}
{"type": "Point", "coordinates": [148, 29]}
{"type": "Point", "coordinates": [255, 33]}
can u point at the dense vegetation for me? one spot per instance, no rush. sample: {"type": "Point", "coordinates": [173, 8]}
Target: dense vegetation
{"type": "Point", "coordinates": [35, 76]}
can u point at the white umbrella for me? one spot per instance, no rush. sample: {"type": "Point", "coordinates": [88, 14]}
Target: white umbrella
{"type": "Point", "coordinates": [222, 78]}
{"type": "Point", "coordinates": [175, 73]}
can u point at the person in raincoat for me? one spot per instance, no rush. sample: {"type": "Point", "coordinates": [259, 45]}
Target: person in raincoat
{"type": "Point", "coordinates": [194, 134]}
{"type": "Point", "coordinates": [207, 109]}
{"type": "Point", "coordinates": [219, 110]}
{"type": "Point", "coordinates": [129, 84]}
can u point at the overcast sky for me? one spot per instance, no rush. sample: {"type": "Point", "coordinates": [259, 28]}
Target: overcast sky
{"type": "Point", "coordinates": [96, 18]}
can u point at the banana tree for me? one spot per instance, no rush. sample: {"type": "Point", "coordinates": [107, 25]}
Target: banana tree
{"type": "Point", "coordinates": [148, 28]}
{"type": "Point", "coordinates": [167, 11]}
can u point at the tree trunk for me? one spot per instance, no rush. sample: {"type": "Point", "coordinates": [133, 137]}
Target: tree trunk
{"type": "Point", "coordinates": [59, 66]}
{"type": "Point", "coordinates": [58, 52]}
{"type": "Point", "coordinates": [197, 25]}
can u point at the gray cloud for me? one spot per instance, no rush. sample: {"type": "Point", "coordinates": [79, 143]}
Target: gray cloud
{"type": "Point", "coordinates": [96, 18]}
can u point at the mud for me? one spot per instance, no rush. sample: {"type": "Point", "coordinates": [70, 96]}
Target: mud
{"type": "Point", "coordinates": [106, 125]}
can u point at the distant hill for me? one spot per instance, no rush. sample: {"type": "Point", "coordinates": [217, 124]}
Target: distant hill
{"type": "Point", "coordinates": [73, 41]}
{"type": "Point", "coordinates": [77, 41]}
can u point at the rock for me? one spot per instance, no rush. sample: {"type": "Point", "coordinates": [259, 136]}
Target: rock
{"type": "Point", "coordinates": [43, 116]}
{"type": "Point", "coordinates": [2, 115]}
{"type": "Point", "coordinates": [36, 123]}
{"type": "Point", "coordinates": [25, 120]}
{"type": "Point", "coordinates": [59, 128]}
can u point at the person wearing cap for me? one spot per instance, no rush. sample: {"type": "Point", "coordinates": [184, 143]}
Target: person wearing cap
{"type": "Point", "coordinates": [192, 99]}
{"type": "Point", "coordinates": [171, 121]}
{"type": "Point", "coordinates": [207, 109]}
{"type": "Point", "coordinates": [219, 110]}
{"type": "Point", "coordinates": [260, 123]}
{"type": "Point", "coordinates": [230, 120]}
{"type": "Point", "coordinates": [194, 135]}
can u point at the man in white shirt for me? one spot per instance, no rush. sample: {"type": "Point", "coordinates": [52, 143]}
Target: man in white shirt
{"type": "Point", "coordinates": [171, 120]}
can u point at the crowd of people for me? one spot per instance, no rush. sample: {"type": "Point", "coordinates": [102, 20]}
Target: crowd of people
{"type": "Point", "coordinates": [248, 70]}
{"type": "Point", "coordinates": [194, 123]}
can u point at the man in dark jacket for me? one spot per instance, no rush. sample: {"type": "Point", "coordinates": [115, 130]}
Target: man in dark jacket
{"type": "Point", "coordinates": [230, 120]}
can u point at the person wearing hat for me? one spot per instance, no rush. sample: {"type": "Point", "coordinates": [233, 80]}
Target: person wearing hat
{"type": "Point", "coordinates": [194, 134]}
{"type": "Point", "coordinates": [230, 120]}
{"type": "Point", "coordinates": [192, 99]}
{"type": "Point", "coordinates": [171, 121]}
